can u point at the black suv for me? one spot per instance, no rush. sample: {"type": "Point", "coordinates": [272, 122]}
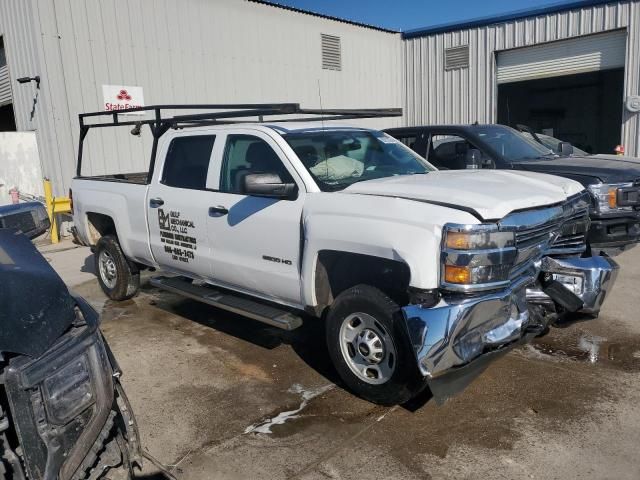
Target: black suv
{"type": "Point", "coordinates": [614, 186]}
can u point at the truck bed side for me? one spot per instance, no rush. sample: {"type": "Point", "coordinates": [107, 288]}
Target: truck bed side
{"type": "Point", "coordinates": [103, 206]}
{"type": "Point", "coordinates": [139, 178]}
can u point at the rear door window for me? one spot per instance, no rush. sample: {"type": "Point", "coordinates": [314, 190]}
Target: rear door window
{"type": "Point", "coordinates": [415, 141]}
{"type": "Point", "coordinates": [187, 162]}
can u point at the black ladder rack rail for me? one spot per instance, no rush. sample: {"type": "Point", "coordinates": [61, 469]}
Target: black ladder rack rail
{"type": "Point", "coordinates": [231, 113]}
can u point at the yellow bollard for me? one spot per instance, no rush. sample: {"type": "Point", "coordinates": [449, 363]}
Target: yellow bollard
{"type": "Point", "coordinates": [55, 205]}
{"type": "Point", "coordinates": [48, 199]}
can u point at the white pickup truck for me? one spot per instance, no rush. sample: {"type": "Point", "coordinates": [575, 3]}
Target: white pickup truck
{"type": "Point", "coordinates": [421, 276]}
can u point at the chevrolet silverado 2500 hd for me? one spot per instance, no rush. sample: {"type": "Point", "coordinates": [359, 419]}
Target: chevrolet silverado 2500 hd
{"type": "Point", "coordinates": [421, 276]}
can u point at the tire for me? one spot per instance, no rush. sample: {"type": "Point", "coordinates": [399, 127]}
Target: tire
{"type": "Point", "coordinates": [118, 279]}
{"type": "Point", "coordinates": [370, 349]}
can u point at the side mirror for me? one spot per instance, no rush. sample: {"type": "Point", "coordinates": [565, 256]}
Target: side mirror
{"type": "Point", "coordinates": [473, 158]}
{"type": "Point", "coordinates": [565, 149]}
{"type": "Point", "coordinates": [268, 185]}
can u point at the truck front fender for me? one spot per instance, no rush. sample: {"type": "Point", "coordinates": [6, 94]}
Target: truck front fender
{"type": "Point", "coordinates": [390, 228]}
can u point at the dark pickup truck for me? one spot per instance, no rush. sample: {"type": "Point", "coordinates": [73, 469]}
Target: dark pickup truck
{"type": "Point", "coordinates": [614, 186]}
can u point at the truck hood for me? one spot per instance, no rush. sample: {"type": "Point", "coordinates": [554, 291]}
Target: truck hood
{"type": "Point", "coordinates": [35, 306]}
{"type": "Point", "coordinates": [618, 158]}
{"type": "Point", "coordinates": [601, 168]}
{"type": "Point", "coordinates": [488, 194]}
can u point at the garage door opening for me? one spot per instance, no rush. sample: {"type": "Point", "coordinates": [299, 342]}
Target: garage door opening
{"type": "Point", "coordinates": [584, 109]}
{"type": "Point", "coordinates": [7, 119]}
{"type": "Point", "coordinates": [570, 89]}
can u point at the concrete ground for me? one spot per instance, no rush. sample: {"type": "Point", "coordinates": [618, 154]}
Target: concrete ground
{"type": "Point", "coordinates": [218, 396]}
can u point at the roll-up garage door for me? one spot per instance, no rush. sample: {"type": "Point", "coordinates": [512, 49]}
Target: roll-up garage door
{"type": "Point", "coordinates": [590, 53]}
{"type": "Point", "coordinates": [5, 86]}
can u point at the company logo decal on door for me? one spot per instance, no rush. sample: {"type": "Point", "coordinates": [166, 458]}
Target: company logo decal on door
{"type": "Point", "coordinates": [175, 233]}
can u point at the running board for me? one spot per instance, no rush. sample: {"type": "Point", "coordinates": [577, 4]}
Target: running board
{"type": "Point", "coordinates": [262, 312]}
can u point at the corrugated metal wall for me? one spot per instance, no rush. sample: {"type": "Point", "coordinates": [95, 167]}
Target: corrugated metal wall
{"type": "Point", "coordinates": [187, 51]}
{"type": "Point", "coordinates": [238, 51]}
{"type": "Point", "coordinates": [5, 86]}
{"type": "Point", "coordinates": [463, 96]}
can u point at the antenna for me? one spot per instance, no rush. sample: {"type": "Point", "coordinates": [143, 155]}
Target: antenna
{"type": "Point", "coordinates": [321, 108]}
{"type": "Point", "coordinates": [326, 160]}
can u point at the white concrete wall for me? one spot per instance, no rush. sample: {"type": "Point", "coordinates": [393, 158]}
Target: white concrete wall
{"type": "Point", "coordinates": [19, 165]}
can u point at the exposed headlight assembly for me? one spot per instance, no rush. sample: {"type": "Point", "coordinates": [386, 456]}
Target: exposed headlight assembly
{"type": "Point", "coordinates": [614, 197]}
{"type": "Point", "coordinates": [62, 401]}
{"type": "Point", "coordinates": [69, 391]}
{"type": "Point", "coordinates": [477, 257]}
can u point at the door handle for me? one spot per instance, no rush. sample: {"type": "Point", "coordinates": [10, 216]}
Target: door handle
{"type": "Point", "coordinates": [218, 211]}
{"type": "Point", "coordinates": [156, 202]}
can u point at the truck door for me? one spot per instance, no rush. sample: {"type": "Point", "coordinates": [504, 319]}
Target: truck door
{"type": "Point", "coordinates": [177, 206]}
{"type": "Point", "coordinates": [255, 241]}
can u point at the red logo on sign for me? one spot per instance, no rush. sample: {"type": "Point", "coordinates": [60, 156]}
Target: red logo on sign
{"type": "Point", "coordinates": [123, 95]}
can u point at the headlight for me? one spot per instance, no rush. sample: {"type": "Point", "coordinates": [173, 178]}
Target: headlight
{"type": "Point", "coordinates": [69, 391]}
{"type": "Point", "coordinates": [613, 197]}
{"type": "Point", "coordinates": [476, 257]}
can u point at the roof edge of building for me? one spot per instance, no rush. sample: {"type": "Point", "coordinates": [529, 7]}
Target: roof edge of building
{"type": "Point", "coordinates": [503, 18]}
{"type": "Point", "coordinates": [321, 15]}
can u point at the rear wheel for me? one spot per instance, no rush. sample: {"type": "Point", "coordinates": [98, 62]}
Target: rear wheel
{"type": "Point", "coordinates": [369, 348]}
{"type": "Point", "coordinates": [118, 279]}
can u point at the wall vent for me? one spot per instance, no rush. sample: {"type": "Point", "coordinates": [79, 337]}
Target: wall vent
{"type": "Point", "coordinates": [331, 52]}
{"type": "Point", "coordinates": [456, 57]}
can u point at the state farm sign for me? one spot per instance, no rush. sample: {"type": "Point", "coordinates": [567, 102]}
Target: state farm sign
{"type": "Point", "coordinates": [121, 97]}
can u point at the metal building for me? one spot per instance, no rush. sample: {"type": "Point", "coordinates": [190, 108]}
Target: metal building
{"type": "Point", "coordinates": [187, 51]}
{"type": "Point", "coordinates": [572, 70]}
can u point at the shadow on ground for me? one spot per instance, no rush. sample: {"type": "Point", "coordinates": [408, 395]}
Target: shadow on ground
{"type": "Point", "coordinates": [306, 341]}
{"type": "Point", "coordinates": [89, 265]}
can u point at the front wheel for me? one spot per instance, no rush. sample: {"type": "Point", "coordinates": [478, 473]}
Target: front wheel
{"type": "Point", "coordinates": [117, 278]}
{"type": "Point", "coordinates": [369, 348]}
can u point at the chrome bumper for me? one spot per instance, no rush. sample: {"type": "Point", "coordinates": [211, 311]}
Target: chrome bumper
{"type": "Point", "coordinates": [589, 279]}
{"type": "Point", "coordinates": [455, 333]}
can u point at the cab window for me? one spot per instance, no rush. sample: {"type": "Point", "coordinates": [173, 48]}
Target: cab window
{"type": "Point", "coordinates": [414, 141]}
{"type": "Point", "coordinates": [244, 155]}
{"type": "Point", "coordinates": [450, 152]}
{"type": "Point", "coordinates": [187, 162]}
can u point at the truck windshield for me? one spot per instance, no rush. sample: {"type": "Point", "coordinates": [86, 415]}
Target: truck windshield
{"type": "Point", "coordinates": [554, 143]}
{"type": "Point", "coordinates": [339, 158]}
{"type": "Point", "coordinates": [510, 144]}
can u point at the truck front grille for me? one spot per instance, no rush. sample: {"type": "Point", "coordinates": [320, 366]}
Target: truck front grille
{"type": "Point", "coordinates": [557, 230]}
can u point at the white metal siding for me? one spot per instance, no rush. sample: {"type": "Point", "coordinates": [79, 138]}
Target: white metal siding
{"type": "Point", "coordinates": [184, 51]}
{"type": "Point", "coordinates": [590, 53]}
{"type": "Point", "coordinates": [434, 95]}
{"type": "Point", "coordinates": [20, 28]}
{"type": "Point", "coordinates": [5, 86]}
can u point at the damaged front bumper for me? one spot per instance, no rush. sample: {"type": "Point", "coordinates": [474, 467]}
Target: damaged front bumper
{"type": "Point", "coordinates": [573, 284]}
{"type": "Point", "coordinates": [458, 337]}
